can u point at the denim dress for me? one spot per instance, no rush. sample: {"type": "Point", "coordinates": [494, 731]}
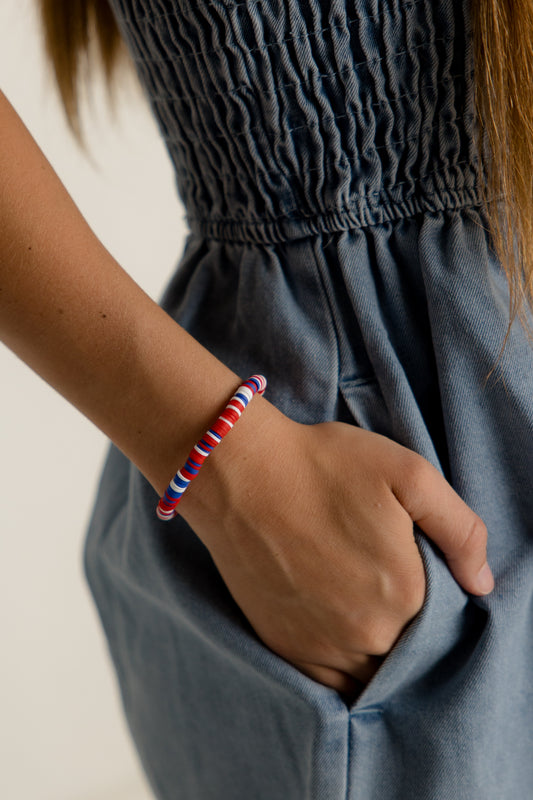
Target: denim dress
{"type": "Point", "coordinates": [325, 154]}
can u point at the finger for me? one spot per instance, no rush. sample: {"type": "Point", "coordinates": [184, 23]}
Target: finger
{"type": "Point", "coordinates": [438, 510]}
{"type": "Point", "coordinates": [334, 678]}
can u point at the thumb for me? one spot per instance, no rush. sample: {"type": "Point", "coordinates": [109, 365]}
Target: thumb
{"type": "Point", "coordinates": [448, 521]}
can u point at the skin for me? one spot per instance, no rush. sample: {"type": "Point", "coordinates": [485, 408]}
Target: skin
{"type": "Point", "coordinates": [76, 317]}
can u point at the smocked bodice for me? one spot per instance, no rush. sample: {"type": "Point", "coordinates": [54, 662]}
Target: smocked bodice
{"type": "Point", "coordinates": [285, 117]}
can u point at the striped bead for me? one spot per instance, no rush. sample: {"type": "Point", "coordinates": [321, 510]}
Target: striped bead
{"type": "Point", "coordinates": [166, 508]}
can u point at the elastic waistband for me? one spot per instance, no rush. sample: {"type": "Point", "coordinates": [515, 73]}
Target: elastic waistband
{"type": "Point", "coordinates": [360, 214]}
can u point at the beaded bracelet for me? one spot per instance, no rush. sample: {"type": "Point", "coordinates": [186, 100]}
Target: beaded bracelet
{"type": "Point", "coordinates": [166, 508]}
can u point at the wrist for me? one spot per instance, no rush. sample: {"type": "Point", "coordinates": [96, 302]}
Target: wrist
{"type": "Point", "coordinates": [217, 431]}
{"type": "Point", "coordinates": [229, 483]}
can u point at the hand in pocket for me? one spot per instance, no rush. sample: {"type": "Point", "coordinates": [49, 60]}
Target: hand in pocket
{"type": "Point", "coordinates": [311, 528]}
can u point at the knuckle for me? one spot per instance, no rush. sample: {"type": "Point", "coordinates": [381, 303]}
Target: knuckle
{"type": "Point", "coordinates": [377, 638]}
{"type": "Point", "coordinates": [475, 536]}
{"type": "Point", "coordinates": [420, 473]}
{"type": "Point", "coordinates": [377, 633]}
{"type": "Point", "coordinates": [412, 597]}
{"type": "Point", "coordinates": [407, 588]}
{"type": "Point", "coordinates": [414, 474]}
{"type": "Point", "coordinates": [412, 462]}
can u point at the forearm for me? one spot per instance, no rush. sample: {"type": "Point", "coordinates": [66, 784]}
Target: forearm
{"type": "Point", "coordinates": [75, 316]}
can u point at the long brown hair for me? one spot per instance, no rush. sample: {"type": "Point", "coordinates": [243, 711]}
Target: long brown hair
{"type": "Point", "coordinates": [80, 37]}
{"type": "Point", "coordinates": [81, 33]}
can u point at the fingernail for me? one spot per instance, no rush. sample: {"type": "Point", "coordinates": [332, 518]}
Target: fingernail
{"type": "Point", "coordinates": [485, 580]}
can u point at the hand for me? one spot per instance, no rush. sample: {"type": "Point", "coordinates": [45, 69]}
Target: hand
{"type": "Point", "coordinates": [315, 542]}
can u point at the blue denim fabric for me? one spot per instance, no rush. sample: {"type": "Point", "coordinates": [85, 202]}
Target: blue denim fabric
{"type": "Point", "coordinates": [325, 155]}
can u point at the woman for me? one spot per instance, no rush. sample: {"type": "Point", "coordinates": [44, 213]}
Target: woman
{"type": "Point", "coordinates": [287, 635]}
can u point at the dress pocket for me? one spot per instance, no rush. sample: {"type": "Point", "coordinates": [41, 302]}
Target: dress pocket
{"type": "Point", "coordinates": [442, 636]}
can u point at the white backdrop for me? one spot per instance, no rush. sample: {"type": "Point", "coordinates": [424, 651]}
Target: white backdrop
{"type": "Point", "coordinates": [62, 734]}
